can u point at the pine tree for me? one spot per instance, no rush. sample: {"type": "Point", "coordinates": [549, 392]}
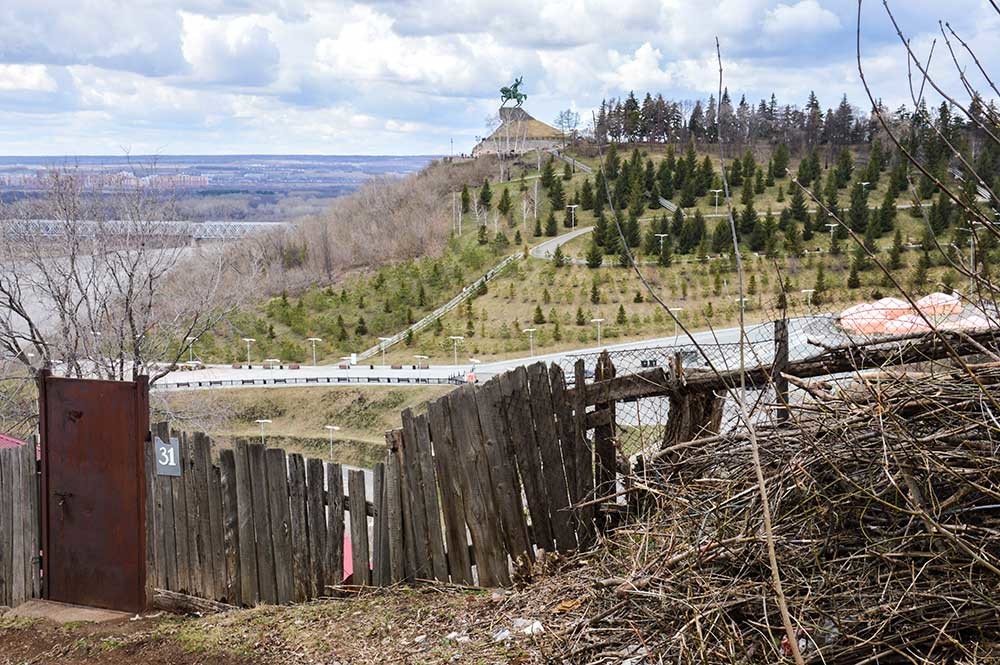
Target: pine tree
{"type": "Point", "coordinates": [466, 199]}
{"type": "Point", "coordinates": [781, 159]}
{"type": "Point", "coordinates": [558, 257]}
{"type": "Point", "coordinates": [556, 331]}
{"type": "Point", "coordinates": [538, 228]}
{"type": "Point", "coordinates": [557, 195]}
{"type": "Point", "coordinates": [896, 251]}
{"type": "Point", "coordinates": [504, 205]}
{"type": "Point", "coordinates": [621, 318]}
{"type": "Point", "coordinates": [780, 197]}
{"type": "Point", "coordinates": [595, 255]}
{"type": "Point", "coordinates": [485, 195]}
{"type": "Point", "coordinates": [586, 195]}
{"type": "Point", "coordinates": [857, 213]}
{"type": "Point", "coordinates": [481, 238]}
{"type": "Point", "coordinates": [819, 293]}
{"type": "Point", "coordinates": [793, 239]}
{"type": "Point", "coordinates": [538, 317]}
{"type": "Point", "coordinates": [581, 320]}
{"type": "Point", "coordinates": [853, 279]}
{"type": "Point", "coordinates": [567, 172]}
{"type": "Point", "coordinates": [769, 179]}
{"type": "Point", "coordinates": [595, 293]}
{"type": "Point", "coordinates": [688, 197]}
{"type": "Point", "coordinates": [548, 174]}
{"type": "Point", "coordinates": [666, 254]}
{"type": "Point", "coordinates": [361, 328]}
{"type": "Point", "coordinates": [919, 278]}
{"type": "Point", "coordinates": [758, 185]}
{"type": "Point", "coordinates": [843, 168]}
{"type": "Point", "coordinates": [550, 224]}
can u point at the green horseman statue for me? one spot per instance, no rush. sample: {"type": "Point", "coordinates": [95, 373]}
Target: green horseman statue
{"type": "Point", "coordinates": [512, 93]}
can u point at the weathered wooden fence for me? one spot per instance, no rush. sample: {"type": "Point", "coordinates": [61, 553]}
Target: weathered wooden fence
{"type": "Point", "coordinates": [20, 530]}
{"type": "Point", "coordinates": [259, 526]}
{"type": "Point", "coordinates": [488, 477]}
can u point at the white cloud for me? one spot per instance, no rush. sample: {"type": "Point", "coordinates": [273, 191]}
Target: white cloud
{"type": "Point", "coordinates": [233, 50]}
{"type": "Point", "coordinates": [26, 77]}
{"type": "Point", "coordinates": [805, 18]}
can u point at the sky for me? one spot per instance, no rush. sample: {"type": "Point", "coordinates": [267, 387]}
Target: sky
{"type": "Point", "coordinates": [104, 77]}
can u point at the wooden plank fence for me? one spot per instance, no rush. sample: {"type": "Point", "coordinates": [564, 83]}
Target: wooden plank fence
{"type": "Point", "coordinates": [257, 525]}
{"type": "Point", "coordinates": [489, 477]}
{"type": "Point", "coordinates": [20, 526]}
{"type": "Point", "coordinates": [483, 481]}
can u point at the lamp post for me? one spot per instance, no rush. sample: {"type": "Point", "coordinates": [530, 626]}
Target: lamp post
{"type": "Point", "coordinates": [809, 293]}
{"type": "Point", "coordinates": [383, 340]}
{"type": "Point", "coordinates": [314, 340]}
{"type": "Point", "coordinates": [331, 429]}
{"type": "Point", "coordinates": [832, 227]}
{"type": "Point", "coordinates": [598, 322]}
{"type": "Point", "coordinates": [716, 192]}
{"type": "Point", "coordinates": [572, 213]}
{"type": "Point", "coordinates": [249, 341]}
{"type": "Point", "coordinates": [455, 339]}
{"type": "Point", "coordinates": [190, 341]}
{"type": "Point", "coordinates": [675, 311]}
{"type": "Point", "coordinates": [661, 236]}
{"type": "Point", "coordinates": [418, 357]}
{"type": "Point", "coordinates": [531, 339]}
{"type": "Point", "coordinates": [262, 422]}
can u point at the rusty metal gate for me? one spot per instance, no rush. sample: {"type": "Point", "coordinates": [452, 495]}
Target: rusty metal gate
{"type": "Point", "coordinates": [93, 491]}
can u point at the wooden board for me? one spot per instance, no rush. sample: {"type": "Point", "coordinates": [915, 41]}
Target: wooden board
{"type": "Point", "coordinates": [335, 524]}
{"type": "Point", "coordinates": [452, 494]}
{"type": "Point", "coordinates": [378, 557]}
{"type": "Point", "coordinates": [514, 387]}
{"type": "Point", "coordinates": [480, 508]}
{"type": "Point", "coordinates": [605, 472]}
{"type": "Point", "coordinates": [262, 526]}
{"type": "Point", "coordinates": [435, 533]}
{"type": "Point", "coordinates": [281, 532]}
{"type": "Point", "coordinates": [503, 470]}
{"type": "Point", "coordinates": [584, 459]}
{"type": "Point", "coordinates": [166, 547]}
{"type": "Point", "coordinates": [554, 477]}
{"type": "Point", "coordinates": [218, 530]}
{"type": "Point", "coordinates": [299, 530]}
{"type": "Point", "coordinates": [18, 547]}
{"type": "Point", "coordinates": [393, 515]}
{"type": "Point", "coordinates": [417, 509]}
{"type": "Point", "coordinates": [190, 478]}
{"type": "Point", "coordinates": [230, 525]}
{"type": "Point", "coordinates": [359, 527]}
{"type": "Point", "coordinates": [316, 514]}
{"type": "Point", "coordinates": [6, 532]}
{"type": "Point", "coordinates": [246, 525]}
{"type": "Point", "coordinates": [178, 492]}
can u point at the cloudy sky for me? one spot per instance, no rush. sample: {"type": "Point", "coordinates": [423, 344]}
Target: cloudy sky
{"type": "Point", "coordinates": [407, 77]}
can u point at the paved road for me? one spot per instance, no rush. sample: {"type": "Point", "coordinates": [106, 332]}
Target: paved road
{"type": "Point", "coordinates": [720, 343]}
{"type": "Point", "coordinates": [545, 250]}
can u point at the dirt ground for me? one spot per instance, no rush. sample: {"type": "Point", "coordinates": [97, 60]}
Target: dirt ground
{"type": "Point", "coordinates": [400, 625]}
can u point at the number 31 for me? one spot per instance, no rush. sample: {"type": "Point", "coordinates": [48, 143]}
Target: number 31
{"type": "Point", "coordinates": [167, 456]}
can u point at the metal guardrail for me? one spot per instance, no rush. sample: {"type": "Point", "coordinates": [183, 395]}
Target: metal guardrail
{"type": "Point", "coordinates": [306, 380]}
{"type": "Point", "coordinates": [580, 166]}
{"type": "Point", "coordinates": [423, 323]}
{"type": "Point", "coordinates": [217, 230]}
{"type": "Point", "coordinates": [981, 191]}
{"type": "Point", "coordinates": [669, 205]}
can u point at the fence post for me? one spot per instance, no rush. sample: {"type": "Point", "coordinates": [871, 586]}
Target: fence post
{"type": "Point", "coordinates": [604, 434]}
{"type": "Point", "coordinates": [780, 363]}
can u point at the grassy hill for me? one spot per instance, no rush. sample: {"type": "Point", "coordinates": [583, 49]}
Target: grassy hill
{"type": "Point", "coordinates": [352, 312]}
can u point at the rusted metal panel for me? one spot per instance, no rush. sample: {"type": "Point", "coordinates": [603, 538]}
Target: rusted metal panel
{"type": "Point", "coordinates": [93, 491]}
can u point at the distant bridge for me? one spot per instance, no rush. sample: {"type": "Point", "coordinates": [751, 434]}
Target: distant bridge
{"type": "Point", "coordinates": [211, 230]}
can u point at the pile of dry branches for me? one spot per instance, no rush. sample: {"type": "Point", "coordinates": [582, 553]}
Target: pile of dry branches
{"type": "Point", "coordinates": [885, 496]}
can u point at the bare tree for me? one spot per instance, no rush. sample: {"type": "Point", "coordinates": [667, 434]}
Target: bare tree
{"type": "Point", "coordinates": [102, 283]}
{"type": "Point", "coordinates": [567, 122]}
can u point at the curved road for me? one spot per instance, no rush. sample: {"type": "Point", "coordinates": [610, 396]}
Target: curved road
{"type": "Point", "coordinates": [545, 250]}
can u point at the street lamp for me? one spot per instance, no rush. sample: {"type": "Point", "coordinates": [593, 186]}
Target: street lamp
{"type": "Point", "coordinates": [190, 341]}
{"type": "Point", "coordinates": [331, 429]}
{"type": "Point", "coordinates": [455, 339]}
{"type": "Point", "coordinates": [531, 339]}
{"type": "Point", "coordinates": [675, 311]}
{"type": "Point", "coordinates": [262, 422]}
{"type": "Point", "coordinates": [832, 227]}
{"type": "Point", "coordinates": [382, 346]}
{"type": "Point", "coordinates": [661, 236]}
{"type": "Point", "coordinates": [249, 341]}
{"type": "Point", "coordinates": [572, 213]}
{"type": "Point", "coordinates": [716, 192]}
{"type": "Point", "coordinates": [809, 293]}
{"type": "Point", "coordinates": [314, 340]}
{"type": "Point", "coordinates": [598, 322]}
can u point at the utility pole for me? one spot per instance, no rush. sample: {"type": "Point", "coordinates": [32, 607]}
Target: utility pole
{"type": "Point", "coordinates": [249, 341]}
{"type": "Point", "coordinates": [314, 340]}
{"type": "Point", "coordinates": [262, 422]}
{"type": "Point", "coordinates": [716, 192]}
{"type": "Point", "coordinates": [572, 213]}
{"type": "Point", "coordinates": [598, 322]}
{"type": "Point", "coordinates": [675, 311]}
{"type": "Point", "coordinates": [531, 339]}
{"type": "Point", "coordinates": [331, 429]}
{"type": "Point", "coordinates": [383, 340]}
{"type": "Point", "coordinates": [455, 339]}
{"type": "Point", "coordinates": [661, 236]}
